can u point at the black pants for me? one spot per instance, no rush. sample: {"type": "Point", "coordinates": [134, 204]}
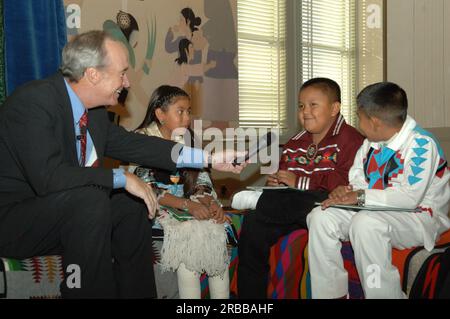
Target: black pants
{"type": "Point", "coordinates": [89, 228]}
{"type": "Point", "coordinates": [277, 214]}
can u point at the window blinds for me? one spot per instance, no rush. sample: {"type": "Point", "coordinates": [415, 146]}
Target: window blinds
{"type": "Point", "coordinates": [328, 47]}
{"type": "Point", "coordinates": [262, 63]}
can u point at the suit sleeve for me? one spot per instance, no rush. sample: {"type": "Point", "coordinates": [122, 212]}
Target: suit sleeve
{"type": "Point", "coordinates": [29, 129]}
{"type": "Point", "coordinates": [149, 151]}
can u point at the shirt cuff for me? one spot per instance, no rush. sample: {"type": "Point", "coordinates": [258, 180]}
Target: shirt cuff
{"type": "Point", "coordinates": [119, 179]}
{"type": "Point", "coordinates": [191, 158]}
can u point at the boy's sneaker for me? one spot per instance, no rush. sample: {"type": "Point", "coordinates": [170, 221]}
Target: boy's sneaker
{"type": "Point", "coordinates": [245, 199]}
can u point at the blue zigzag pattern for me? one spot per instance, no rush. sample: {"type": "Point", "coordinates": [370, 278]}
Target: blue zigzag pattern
{"type": "Point", "coordinates": [418, 161]}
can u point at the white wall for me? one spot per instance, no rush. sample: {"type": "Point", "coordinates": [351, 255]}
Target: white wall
{"type": "Point", "coordinates": [418, 57]}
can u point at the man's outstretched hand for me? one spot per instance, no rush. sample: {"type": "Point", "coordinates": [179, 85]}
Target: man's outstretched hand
{"type": "Point", "coordinates": [223, 161]}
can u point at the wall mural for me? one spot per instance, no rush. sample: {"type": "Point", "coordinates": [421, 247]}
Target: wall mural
{"type": "Point", "coordinates": [191, 44]}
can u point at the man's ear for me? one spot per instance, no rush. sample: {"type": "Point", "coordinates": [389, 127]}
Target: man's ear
{"type": "Point", "coordinates": [93, 75]}
{"type": "Point", "coordinates": [335, 108]}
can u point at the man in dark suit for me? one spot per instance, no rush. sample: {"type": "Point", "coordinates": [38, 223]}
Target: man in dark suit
{"type": "Point", "coordinates": [55, 198]}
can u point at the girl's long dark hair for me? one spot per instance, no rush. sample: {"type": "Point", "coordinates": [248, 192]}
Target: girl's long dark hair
{"type": "Point", "coordinates": [162, 98]}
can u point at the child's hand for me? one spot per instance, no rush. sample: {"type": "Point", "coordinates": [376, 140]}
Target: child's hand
{"type": "Point", "coordinates": [198, 210]}
{"type": "Point", "coordinates": [340, 192]}
{"type": "Point", "coordinates": [272, 180]}
{"type": "Point", "coordinates": [287, 178]}
{"type": "Point", "coordinates": [351, 198]}
{"type": "Point", "coordinates": [217, 212]}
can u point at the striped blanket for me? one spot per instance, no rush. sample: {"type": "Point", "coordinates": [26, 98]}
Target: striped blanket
{"type": "Point", "coordinates": [289, 274]}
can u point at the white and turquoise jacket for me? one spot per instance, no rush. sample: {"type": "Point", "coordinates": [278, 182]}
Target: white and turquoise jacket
{"type": "Point", "coordinates": [408, 171]}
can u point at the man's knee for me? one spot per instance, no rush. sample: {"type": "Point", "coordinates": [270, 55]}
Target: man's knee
{"type": "Point", "coordinates": [90, 202]}
{"type": "Point", "coordinates": [317, 219]}
{"type": "Point", "coordinates": [364, 224]}
{"type": "Point", "coordinates": [123, 200]}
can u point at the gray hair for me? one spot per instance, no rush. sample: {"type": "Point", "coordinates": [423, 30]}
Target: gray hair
{"type": "Point", "coordinates": [84, 51]}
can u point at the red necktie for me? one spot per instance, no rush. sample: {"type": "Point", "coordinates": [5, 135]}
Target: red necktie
{"type": "Point", "coordinates": [83, 130]}
{"type": "Point", "coordinates": [95, 164]}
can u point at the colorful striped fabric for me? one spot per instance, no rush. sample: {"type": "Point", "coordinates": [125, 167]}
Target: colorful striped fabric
{"type": "Point", "coordinates": [289, 273]}
{"type": "Point", "coordinates": [39, 277]}
{"type": "Point", "coordinates": [355, 290]}
{"type": "Point", "coordinates": [31, 278]}
{"type": "Point", "coordinates": [409, 261]}
{"type": "Point", "coordinates": [287, 266]}
{"type": "Point", "coordinates": [236, 220]}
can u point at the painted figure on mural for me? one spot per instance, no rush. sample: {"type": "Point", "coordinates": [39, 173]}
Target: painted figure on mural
{"type": "Point", "coordinates": [211, 59]}
{"type": "Point", "coordinates": [187, 24]}
{"type": "Point", "coordinates": [188, 69]}
{"type": "Point", "coordinates": [126, 29]}
{"type": "Point", "coordinates": [220, 33]}
{"type": "Point", "coordinates": [214, 41]}
{"type": "Point", "coordinates": [197, 58]}
{"type": "Point", "coordinates": [191, 63]}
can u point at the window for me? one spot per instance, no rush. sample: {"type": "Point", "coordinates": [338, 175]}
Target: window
{"type": "Point", "coordinates": [262, 63]}
{"type": "Point", "coordinates": [327, 30]}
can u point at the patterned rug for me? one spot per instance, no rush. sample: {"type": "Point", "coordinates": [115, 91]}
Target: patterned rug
{"type": "Point", "coordinates": [32, 278]}
{"type": "Point", "coordinates": [40, 277]}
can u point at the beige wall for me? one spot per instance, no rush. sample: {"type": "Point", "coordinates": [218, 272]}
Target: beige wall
{"type": "Point", "coordinates": [443, 135]}
{"type": "Point", "coordinates": [370, 52]}
{"type": "Point", "coordinates": [418, 57]}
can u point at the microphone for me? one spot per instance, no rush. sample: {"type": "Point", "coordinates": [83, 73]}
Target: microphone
{"type": "Point", "coordinates": [264, 141]}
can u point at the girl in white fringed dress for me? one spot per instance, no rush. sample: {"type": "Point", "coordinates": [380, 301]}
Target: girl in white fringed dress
{"type": "Point", "coordinates": [197, 245]}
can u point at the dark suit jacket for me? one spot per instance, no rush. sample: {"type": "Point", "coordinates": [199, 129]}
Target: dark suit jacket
{"type": "Point", "coordinates": [38, 146]}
